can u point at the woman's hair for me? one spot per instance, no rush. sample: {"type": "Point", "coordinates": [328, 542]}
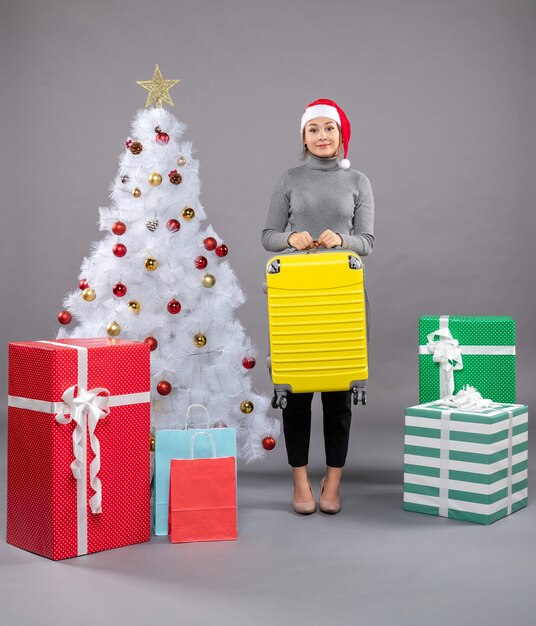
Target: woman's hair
{"type": "Point", "coordinates": [339, 149]}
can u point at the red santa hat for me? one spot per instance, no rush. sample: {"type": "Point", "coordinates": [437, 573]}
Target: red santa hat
{"type": "Point", "coordinates": [328, 108]}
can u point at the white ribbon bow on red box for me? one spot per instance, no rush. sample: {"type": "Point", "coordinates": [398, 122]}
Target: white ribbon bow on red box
{"type": "Point", "coordinates": [80, 403]}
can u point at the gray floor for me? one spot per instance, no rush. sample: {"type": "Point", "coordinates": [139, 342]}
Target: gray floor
{"type": "Point", "coordinates": [371, 564]}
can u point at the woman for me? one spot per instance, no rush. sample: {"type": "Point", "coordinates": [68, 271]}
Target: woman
{"type": "Point", "coordinates": [325, 204]}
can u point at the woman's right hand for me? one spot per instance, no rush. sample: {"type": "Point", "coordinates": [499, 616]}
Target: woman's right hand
{"type": "Point", "coordinates": [301, 240]}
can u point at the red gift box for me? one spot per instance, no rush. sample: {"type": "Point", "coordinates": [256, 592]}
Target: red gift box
{"type": "Point", "coordinates": [78, 476]}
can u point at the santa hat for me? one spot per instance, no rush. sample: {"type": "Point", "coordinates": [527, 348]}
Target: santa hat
{"type": "Point", "coordinates": [328, 108]}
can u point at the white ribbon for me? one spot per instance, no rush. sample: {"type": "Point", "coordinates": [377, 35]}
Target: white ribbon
{"type": "Point", "coordinates": [80, 403]}
{"type": "Point", "coordinates": [43, 406]}
{"type": "Point", "coordinates": [444, 463]}
{"type": "Point", "coordinates": [447, 353]}
{"type": "Point", "coordinates": [509, 472]}
{"type": "Point", "coordinates": [468, 399]}
{"type": "Point", "coordinates": [479, 350]}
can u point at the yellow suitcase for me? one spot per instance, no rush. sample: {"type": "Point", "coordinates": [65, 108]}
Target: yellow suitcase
{"type": "Point", "coordinates": [317, 315]}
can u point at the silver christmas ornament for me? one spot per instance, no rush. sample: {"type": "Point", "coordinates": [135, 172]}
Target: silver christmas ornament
{"type": "Point", "coordinates": [152, 224]}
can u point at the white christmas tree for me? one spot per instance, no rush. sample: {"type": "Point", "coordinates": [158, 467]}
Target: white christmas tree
{"type": "Point", "coordinates": [161, 276]}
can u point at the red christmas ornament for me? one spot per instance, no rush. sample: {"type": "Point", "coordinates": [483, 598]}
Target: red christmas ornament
{"type": "Point", "coordinates": [249, 362]}
{"type": "Point", "coordinates": [118, 228]}
{"type": "Point", "coordinates": [268, 443]}
{"type": "Point", "coordinates": [153, 343]}
{"type": "Point", "coordinates": [164, 388]}
{"type": "Point", "coordinates": [162, 138]}
{"type": "Point", "coordinates": [64, 317]}
{"type": "Point", "coordinates": [201, 262]}
{"type": "Point", "coordinates": [173, 225]}
{"type": "Point", "coordinates": [174, 307]}
{"type": "Point", "coordinates": [119, 290]}
{"type": "Point", "coordinates": [210, 243]}
{"type": "Point", "coordinates": [83, 284]}
{"type": "Point", "coordinates": [222, 250]}
{"type": "Point", "coordinates": [119, 249]}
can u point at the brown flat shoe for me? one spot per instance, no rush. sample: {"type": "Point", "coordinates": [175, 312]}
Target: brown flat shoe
{"type": "Point", "coordinates": [331, 507]}
{"type": "Point", "coordinates": [305, 508]}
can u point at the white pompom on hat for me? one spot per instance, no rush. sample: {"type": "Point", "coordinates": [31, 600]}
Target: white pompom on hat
{"type": "Point", "coordinates": [328, 108]}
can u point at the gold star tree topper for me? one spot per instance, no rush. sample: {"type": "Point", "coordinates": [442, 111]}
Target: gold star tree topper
{"type": "Point", "coordinates": [158, 89]}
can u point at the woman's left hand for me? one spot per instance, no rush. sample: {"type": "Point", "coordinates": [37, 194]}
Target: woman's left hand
{"type": "Point", "coordinates": [329, 239]}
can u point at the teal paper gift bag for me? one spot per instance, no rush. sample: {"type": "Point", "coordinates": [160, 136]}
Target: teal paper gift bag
{"type": "Point", "coordinates": [175, 444]}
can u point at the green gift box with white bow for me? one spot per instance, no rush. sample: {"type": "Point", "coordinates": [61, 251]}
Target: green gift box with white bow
{"type": "Point", "coordinates": [466, 464]}
{"type": "Point", "coordinates": [455, 351]}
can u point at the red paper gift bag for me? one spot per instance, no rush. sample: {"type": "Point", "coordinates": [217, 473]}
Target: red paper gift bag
{"type": "Point", "coordinates": [78, 461]}
{"type": "Point", "coordinates": [202, 497]}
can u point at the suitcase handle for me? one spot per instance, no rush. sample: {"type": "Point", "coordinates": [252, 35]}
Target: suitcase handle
{"type": "Point", "coordinates": [200, 434]}
{"type": "Point", "coordinates": [315, 250]}
{"type": "Point", "coordinates": [202, 406]}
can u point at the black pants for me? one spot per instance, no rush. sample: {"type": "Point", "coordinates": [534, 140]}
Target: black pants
{"type": "Point", "coordinates": [297, 426]}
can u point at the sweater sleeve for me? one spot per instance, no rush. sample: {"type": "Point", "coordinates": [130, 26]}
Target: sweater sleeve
{"type": "Point", "coordinates": [362, 239]}
{"type": "Point", "coordinates": [274, 237]}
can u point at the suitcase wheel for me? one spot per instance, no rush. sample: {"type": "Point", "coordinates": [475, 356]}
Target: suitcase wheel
{"type": "Point", "coordinates": [359, 395]}
{"type": "Point", "coordinates": [279, 401]}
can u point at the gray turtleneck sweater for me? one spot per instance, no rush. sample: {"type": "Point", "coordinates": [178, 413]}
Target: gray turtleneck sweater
{"type": "Point", "coordinates": [317, 196]}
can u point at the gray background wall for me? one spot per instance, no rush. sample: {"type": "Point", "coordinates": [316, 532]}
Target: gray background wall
{"type": "Point", "coordinates": [441, 96]}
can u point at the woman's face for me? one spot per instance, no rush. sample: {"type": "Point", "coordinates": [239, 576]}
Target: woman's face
{"type": "Point", "coordinates": [322, 137]}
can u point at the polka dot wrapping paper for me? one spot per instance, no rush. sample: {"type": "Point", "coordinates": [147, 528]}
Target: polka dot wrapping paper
{"type": "Point", "coordinates": [486, 350]}
{"type": "Point", "coordinates": [50, 511]}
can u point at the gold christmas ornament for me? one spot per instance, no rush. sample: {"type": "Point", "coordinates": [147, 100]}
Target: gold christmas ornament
{"type": "Point", "coordinates": [155, 179]}
{"type": "Point", "coordinates": [182, 161]}
{"type": "Point", "coordinates": [246, 406]}
{"type": "Point", "coordinates": [151, 264]}
{"type": "Point", "coordinates": [208, 280]}
{"type": "Point", "coordinates": [89, 295]}
{"type": "Point", "coordinates": [200, 340]}
{"type": "Point", "coordinates": [158, 89]}
{"type": "Point", "coordinates": [113, 329]}
{"type": "Point", "coordinates": [188, 213]}
{"type": "Point", "coordinates": [153, 443]}
{"type": "Point", "coordinates": [134, 305]}
{"type": "Point", "coordinates": [136, 193]}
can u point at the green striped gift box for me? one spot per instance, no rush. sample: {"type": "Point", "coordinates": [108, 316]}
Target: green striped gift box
{"type": "Point", "coordinates": [487, 350]}
{"type": "Point", "coordinates": [467, 465]}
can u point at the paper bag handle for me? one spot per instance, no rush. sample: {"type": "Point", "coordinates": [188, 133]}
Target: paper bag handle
{"type": "Point", "coordinates": [202, 406]}
{"type": "Point", "coordinates": [199, 434]}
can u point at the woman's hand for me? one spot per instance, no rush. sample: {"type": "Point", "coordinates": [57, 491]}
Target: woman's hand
{"type": "Point", "coordinates": [301, 240]}
{"type": "Point", "coordinates": [329, 239]}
